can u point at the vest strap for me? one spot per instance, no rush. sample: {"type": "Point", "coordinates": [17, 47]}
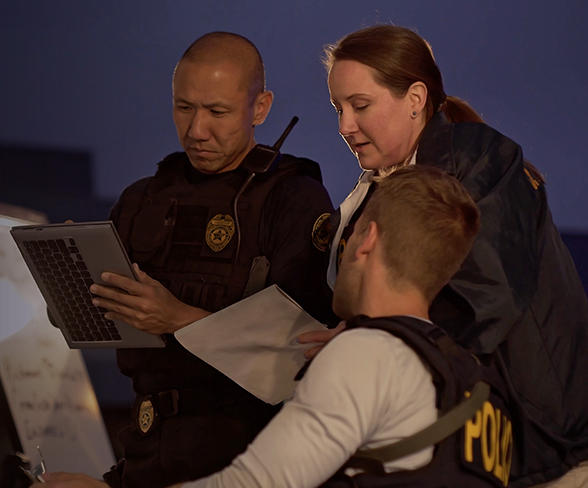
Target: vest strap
{"type": "Point", "coordinates": [445, 426]}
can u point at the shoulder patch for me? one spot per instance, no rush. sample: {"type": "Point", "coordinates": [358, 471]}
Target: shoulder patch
{"type": "Point", "coordinates": [219, 232]}
{"type": "Point", "coordinates": [320, 232]}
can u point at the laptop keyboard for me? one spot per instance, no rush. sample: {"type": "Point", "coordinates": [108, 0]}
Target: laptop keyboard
{"type": "Point", "coordinates": [67, 279]}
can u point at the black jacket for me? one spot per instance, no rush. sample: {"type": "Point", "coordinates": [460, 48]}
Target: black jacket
{"type": "Point", "coordinates": [517, 301]}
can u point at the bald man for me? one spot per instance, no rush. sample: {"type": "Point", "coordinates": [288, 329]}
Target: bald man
{"type": "Point", "coordinates": [195, 256]}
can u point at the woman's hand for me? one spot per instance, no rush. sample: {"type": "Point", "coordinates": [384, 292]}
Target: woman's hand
{"type": "Point", "coordinates": [322, 336]}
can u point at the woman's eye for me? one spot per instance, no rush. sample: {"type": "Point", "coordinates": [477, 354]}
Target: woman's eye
{"type": "Point", "coordinates": [361, 107]}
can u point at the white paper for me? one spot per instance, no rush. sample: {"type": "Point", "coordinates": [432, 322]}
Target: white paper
{"type": "Point", "coordinates": [253, 342]}
{"type": "Point", "coordinates": [47, 386]}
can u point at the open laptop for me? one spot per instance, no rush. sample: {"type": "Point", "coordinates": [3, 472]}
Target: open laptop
{"type": "Point", "coordinates": [65, 259]}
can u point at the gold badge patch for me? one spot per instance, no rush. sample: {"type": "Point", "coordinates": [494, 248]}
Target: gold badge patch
{"type": "Point", "coordinates": [219, 232]}
{"type": "Point", "coordinates": [320, 232]}
{"type": "Point", "coordinates": [146, 416]}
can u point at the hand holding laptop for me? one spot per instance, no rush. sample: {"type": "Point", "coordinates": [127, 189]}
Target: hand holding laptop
{"type": "Point", "coordinates": [65, 260]}
{"type": "Point", "coordinates": [145, 304]}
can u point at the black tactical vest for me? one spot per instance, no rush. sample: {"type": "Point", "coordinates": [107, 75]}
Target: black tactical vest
{"type": "Point", "coordinates": [180, 227]}
{"type": "Point", "coordinates": [477, 455]}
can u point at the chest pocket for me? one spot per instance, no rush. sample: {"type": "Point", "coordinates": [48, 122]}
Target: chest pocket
{"type": "Point", "coordinates": [152, 229]}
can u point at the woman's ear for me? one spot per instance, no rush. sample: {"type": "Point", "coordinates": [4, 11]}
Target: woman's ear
{"type": "Point", "coordinates": [417, 96]}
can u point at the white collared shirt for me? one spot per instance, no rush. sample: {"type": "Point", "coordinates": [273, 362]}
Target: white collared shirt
{"type": "Point", "coordinates": [347, 209]}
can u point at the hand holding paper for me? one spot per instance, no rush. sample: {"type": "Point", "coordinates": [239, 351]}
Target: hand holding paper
{"type": "Point", "coordinates": [320, 336]}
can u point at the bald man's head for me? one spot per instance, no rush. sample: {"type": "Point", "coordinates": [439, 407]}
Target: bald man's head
{"type": "Point", "coordinates": [219, 98]}
{"type": "Point", "coordinates": [223, 47]}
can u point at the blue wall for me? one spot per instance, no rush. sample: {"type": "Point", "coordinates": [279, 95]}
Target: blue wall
{"type": "Point", "coordinates": [96, 76]}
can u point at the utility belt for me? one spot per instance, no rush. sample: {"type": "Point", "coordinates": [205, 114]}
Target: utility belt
{"type": "Point", "coordinates": [150, 410]}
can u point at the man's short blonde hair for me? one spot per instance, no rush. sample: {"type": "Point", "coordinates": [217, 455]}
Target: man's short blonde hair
{"type": "Point", "coordinates": [428, 223]}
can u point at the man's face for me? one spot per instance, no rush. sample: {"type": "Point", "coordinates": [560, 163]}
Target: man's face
{"type": "Point", "coordinates": [347, 285]}
{"type": "Point", "coordinates": [212, 114]}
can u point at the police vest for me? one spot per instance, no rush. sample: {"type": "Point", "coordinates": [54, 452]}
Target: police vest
{"type": "Point", "coordinates": [477, 455]}
{"type": "Point", "coordinates": [181, 228]}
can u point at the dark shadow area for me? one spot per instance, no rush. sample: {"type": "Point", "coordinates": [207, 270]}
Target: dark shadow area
{"type": "Point", "coordinates": [55, 182]}
{"type": "Point", "coordinates": [10, 472]}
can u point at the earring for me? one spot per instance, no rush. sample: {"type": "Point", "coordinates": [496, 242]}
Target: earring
{"type": "Point", "coordinates": [414, 114]}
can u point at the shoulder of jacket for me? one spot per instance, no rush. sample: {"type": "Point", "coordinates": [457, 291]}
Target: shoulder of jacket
{"type": "Point", "coordinates": [167, 168]}
{"type": "Point", "coordinates": [481, 149]}
{"type": "Point", "coordinates": [171, 163]}
{"type": "Point", "coordinates": [169, 171]}
{"type": "Point", "coordinates": [289, 164]}
{"type": "Point", "coordinates": [138, 186]}
{"type": "Point", "coordinates": [479, 134]}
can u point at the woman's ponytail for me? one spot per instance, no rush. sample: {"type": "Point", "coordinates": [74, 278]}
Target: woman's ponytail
{"type": "Point", "coordinates": [457, 110]}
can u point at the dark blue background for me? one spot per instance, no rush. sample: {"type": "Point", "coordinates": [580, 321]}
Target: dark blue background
{"type": "Point", "coordinates": [96, 77]}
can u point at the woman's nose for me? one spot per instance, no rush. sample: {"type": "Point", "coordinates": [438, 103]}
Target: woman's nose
{"type": "Point", "coordinates": [347, 125]}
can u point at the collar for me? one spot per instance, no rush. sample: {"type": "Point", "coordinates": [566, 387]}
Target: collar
{"type": "Point", "coordinates": [435, 144]}
{"type": "Point", "coordinates": [342, 217]}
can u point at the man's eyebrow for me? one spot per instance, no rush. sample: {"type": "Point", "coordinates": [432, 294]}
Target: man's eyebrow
{"type": "Point", "coordinates": [208, 105]}
{"type": "Point", "coordinates": [181, 100]}
{"type": "Point", "coordinates": [217, 103]}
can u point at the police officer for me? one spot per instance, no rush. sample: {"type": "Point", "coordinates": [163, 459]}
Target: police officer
{"type": "Point", "coordinates": [204, 233]}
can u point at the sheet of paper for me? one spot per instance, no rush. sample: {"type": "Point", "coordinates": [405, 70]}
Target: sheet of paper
{"type": "Point", "coordinates": [47, 386]}
{"type": "Point", "coordinates": [253, 342]}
